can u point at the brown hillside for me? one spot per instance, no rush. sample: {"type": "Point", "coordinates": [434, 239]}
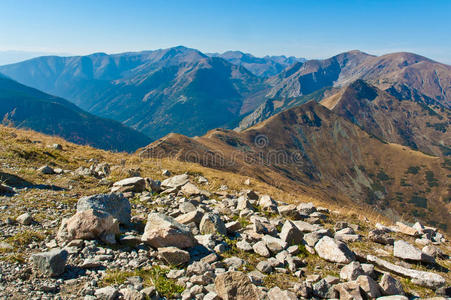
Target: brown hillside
{"type": "Point", "coordinates": [310, 149]}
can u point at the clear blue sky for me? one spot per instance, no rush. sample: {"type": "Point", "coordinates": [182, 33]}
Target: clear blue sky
{"type": "Point", "coordinates": [312, 29]}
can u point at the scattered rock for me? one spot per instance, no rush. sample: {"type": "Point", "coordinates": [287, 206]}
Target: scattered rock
{"type": "Point", "coordinates": [46, 170]}
{"type": "Point", "coordinates": [114, 204]}
{"type": "Point", "coordinates": [277, 294]}
{"type": "Point", "coordinates": [334, 251]}
{"type": "Point", "coordinates": [89, 224]}
{"type": "Point", "coordinates": [132, 184]}
{"type": "Point", "coordinates": [174, 256]}
{"type": "Point", "coordinates": [25, 219]}
{"type": "Point", "coordinates": [351, 271]}
{"type": "Point", "coordinates": [406, 251]}
{"type": "Point", "coordinates": [107, 293]}
{"type": "Point", "coordinates": [235, 285]}
{"type": "Point", "coordinates": [422, 278]}
{"type": "Point", "coordinates": [367, 284]}
{"type": "Point", "coordinates": [406, 229]}
{"type": "Point", "coordinates": [164, 231]}
{"type": "Point", "coordinates": [175, 182]}
{"type": "Point", "coordinates": [211, 224]}
{"type": "Point", "coordinates": [291, 234]}
{"type": "Point", "coordinates": [391, 285]}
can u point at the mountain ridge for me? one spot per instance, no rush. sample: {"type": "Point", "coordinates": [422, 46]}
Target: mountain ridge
{"type": "Point", "coordinates": [26, 107]}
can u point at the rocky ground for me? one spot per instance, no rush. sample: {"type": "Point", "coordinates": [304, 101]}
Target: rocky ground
{"type": "Point", "coordinates": [85, 232]}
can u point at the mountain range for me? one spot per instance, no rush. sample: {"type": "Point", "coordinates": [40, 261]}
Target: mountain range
{"type": "Point", "coordinates": [354, 128]}
{"type": "Point", "coordinates": [261, 66]}
{"type": "Point", "coordinates": [185, 91]}
{"type": "Point", "coordinates": [157, 92]}
{"type": "Point", "coordinates": [26, 107]}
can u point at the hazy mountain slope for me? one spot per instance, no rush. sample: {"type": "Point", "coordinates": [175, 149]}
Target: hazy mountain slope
{"type": "Point", "coordinates": [414, 124]}
{"type": "Point", "coordinates": [309, 148]}
{"type": "Point", "coordinates": [261, 66]}
{"type": "Point", "coordinates": [156, 92]}
{"type": "Point", "coordinates": [26, 107]}
{"type": "Point", "coordinates": [275, 105]}
{"type": "Point", "coordinates": [404, 73]}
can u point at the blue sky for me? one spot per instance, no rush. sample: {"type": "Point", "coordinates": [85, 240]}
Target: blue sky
{"type": "Point", "coordinates": [312, 29]}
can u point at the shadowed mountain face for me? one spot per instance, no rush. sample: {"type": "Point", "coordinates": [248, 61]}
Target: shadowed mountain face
{"type": "Point", "coordinates": [405, 75]}
{"type": "Point", "coordinates": [157, 92]}
{"type": "Point", "coordinates": [315, 151]}
{"type": "Point", "coordinates": [261, 66]}
{"type": "Point", "coordinates": [25, 107]}
{"type": "Point", "coordinates": [410, 123]}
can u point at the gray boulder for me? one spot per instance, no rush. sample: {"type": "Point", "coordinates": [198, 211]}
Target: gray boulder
{"type": "Point", "coordinates": [391, 285]}
{"type": "Point", "coordinates": [290, 233]}
{"type": "Point", "coordinates": [211, 223]}
{"type": "Point", "coordinates": [175, 182]}
{"type": "Point", "coordinates": [51, 263]}
{"type": "Point", "coordinates": [132, 184]}
{"type": "Point", "coordinates": [115, 204]}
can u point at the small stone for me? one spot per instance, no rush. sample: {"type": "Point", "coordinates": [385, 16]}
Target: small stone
{"type": "Point", "coordinates": [25, 219]}
{"type": "Point", "coordinates": [211, 224]}
{"type": "Point", "coordinates": [261, 249]}
{"type": "Point", "coordinates": [164, 231]}
{"type": "Point", "coordinates": [391, 285]}
{"type": "Point", "coordinates": [264, 267]}
{"type": "Point", "coordinates": [351, 271]}
{"type": "Point", "coordinates": [243, 245]}
{"type": "Point", "coordinates": [235, 285]}
{"type": "Point", "coordinates": [107, 293]}
{"type": "Point", "coordinates": [291, 234]}
{"type": "Point", "coordinates": [277, 294]}
{"type": "Point", "coordinates": [406, 229]}
{"type": "Point", "coordinates": [174, 256]}
{"type": "Point", "coordinates": [46, 170]}
{"type": "Point", "coordinates": [115, 204]}
{"type": "Point", "coordinates": [267, 203]}
{"type": "Point", "coordinates": [274, 245]}
{"type": "Point", "coordinates": [371, 288]}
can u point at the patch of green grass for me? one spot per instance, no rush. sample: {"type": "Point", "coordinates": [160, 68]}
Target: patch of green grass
{"type": "Point", "coordinates": [155, 276]}
{"type": "Point", "coordinates": [24, 238]}
{"type": "Point", "coordinates": [303, 253]}
{"type": "Point", "coordinates": [14, 258]}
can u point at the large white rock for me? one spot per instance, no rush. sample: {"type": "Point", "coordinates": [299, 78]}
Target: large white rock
{"type": "Point", "coordinates": [334, 251]}
{"type": "Point", "coordinates": [406, 251]}
{"type": "Point", "coordinates": [88, 225]}
{"type": "Point", "coordinates": [164, 231]}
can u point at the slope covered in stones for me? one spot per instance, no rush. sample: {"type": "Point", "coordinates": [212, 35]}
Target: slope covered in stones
{"type": "Point", "coordinates": [202, 234]}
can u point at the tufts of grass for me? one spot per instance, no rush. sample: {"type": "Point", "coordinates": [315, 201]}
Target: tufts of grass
{"type": "Point", "coordinates": [155, 276]}
{"type": "Point", "coordinates": [24, 238]}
